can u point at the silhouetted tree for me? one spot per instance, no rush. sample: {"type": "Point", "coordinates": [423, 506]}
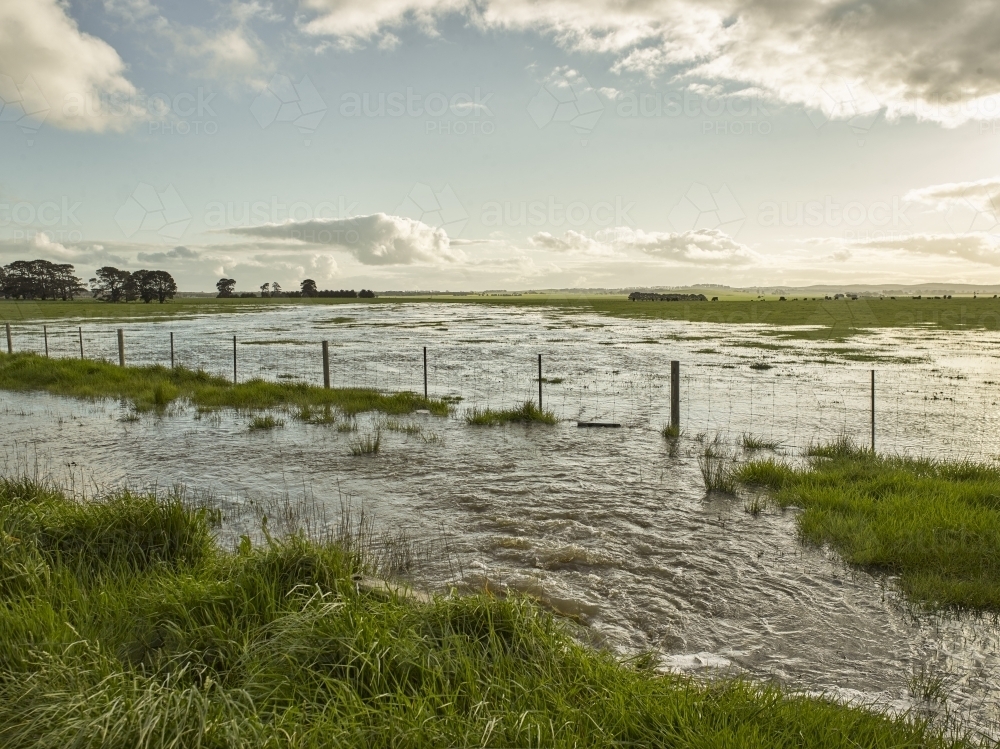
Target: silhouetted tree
{"type": "Point", "coordinates": [226, 286]}
{"type": "Point", "coordinates": [154, 284]}
{"type": "Point", "coordinates": [112, 284]}
{"type": "Point", "coordinates": [265, 289]}
{"type": "Point", "coordinates": [308, 287]}
{"type": "Point", "coordinates": [39, 279]}
{"type": "Point", "coordinates": [275, 289]}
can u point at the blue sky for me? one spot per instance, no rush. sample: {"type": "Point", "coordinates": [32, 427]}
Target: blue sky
{"type": "Point", "coordinates": [425, 144]}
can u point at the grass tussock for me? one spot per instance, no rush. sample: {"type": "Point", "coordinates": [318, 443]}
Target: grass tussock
{"type": "Point", "coordinates": [751, 443]}
{"type": "Point", "coordinates": [263, 423]}
{"type": "Point", "coordinates": [934, 524]}
{"type": "Point", "coordinates": [526, 413]}
{"type": "Point", "coordinates": [366, 444]}
{"type": "Point", "coordinates": [153, 388]}
{"type": "Point", "coordinates": [717, 468]}
{"type": "Point", "coordinates": [123, 625]}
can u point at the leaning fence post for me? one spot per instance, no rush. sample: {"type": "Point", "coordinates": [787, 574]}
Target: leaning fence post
{"type": "Point", "coordinates": [326, 364]}
{"type": "Point", "coordinates": [121, 347]}
{"type": "Point", "coordinates": [425, 373]}
{"type": "Point", "coordinates": [873, 410]}
{"type": "Point", "coordinates": [80, 331]}
{"type": "Point", "coordinates": [171, 350]}
{"type": "Point", "coordinates": [10, 343]}
{"type": "Point", "coordinates": [675, 397]}
{"type": "Point", "coordinates": [45, 332]}
{"type": "Point", "coordinates": [234, 360]}
{"type": "Point", "coordinates": [539, 382]}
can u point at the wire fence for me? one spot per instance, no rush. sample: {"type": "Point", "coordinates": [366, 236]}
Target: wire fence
{"type": "Point", "coordinates": [918, 409]}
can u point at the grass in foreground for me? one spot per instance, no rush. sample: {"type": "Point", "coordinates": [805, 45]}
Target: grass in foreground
{"type": "Point", "coordinates": [935, 524]}
{"type": "Point", "coordinates": [123, 625]}
{"type": "Point", "coordinates": [148, 388]}
{"type": "Point", "coordinates": [526, 413]}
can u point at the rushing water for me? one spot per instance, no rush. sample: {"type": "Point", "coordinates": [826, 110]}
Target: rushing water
{"type": "Point", "coordinates": [608, 525]}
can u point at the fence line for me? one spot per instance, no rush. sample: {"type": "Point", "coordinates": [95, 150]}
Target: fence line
{"type": "Point", "coordinates": [913, 408]}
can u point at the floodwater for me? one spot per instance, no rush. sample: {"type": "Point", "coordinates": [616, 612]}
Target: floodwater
{"type": "Point", "coordinates": [610, 526]}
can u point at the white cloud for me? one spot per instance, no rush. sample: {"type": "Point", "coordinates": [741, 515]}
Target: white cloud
{"type": "Point", "coordinates": [976, 248]}
{"type": "Point", "coordinates": [574, 242]}
{"type": "Point", "coordinates": [984, 192]}
{"type": "Point", "coordinates": [178, 253]}
{"type": "Point", "coordinates": [377, 239]}
{"type": "Point", "coordinates": [41, 44]}
{"type": "Point", "coordinates": [937, 61]}
{"type": "Point", "coordinates": [708, 247]}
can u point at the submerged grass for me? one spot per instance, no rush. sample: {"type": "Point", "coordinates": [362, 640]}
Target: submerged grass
{"type": "Point", "coordinates": [123, 625]}
{"type": "Point", "coordinates": [367, 444]}
{"type": "Point", "coordinates": [934, 524]}
{"type": "Point", "coordinates": [156, 387]}
{"type": "Point", "coordinates": [265, 422]}
{"type": "Point", "coordinates": [526, 413]}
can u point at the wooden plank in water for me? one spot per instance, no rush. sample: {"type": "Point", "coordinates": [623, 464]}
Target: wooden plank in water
{"type": "Point", "coordinates": [604, 424]}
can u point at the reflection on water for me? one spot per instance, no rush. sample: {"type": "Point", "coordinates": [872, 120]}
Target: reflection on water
{"type": "Point", "coordinates": [604, 525]}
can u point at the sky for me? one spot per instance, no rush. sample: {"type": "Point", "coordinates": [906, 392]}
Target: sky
{"type": "Point", "coordinates": [523, 144]}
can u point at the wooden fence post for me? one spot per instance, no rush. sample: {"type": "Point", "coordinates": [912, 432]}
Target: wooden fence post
{"type": "Point", "coordinates": [539, 382]}
{"type": "Point", "coordinates": [121, 347]}
{"type": "Point", "coordinates": [10, 343]}
{"type": "Point", "coordinates": [675, 397]}
{"type": "Point", "coordinates": [171, 350]}
{"type": "Point", "coordinates": [326, 364]}
{"type": "Point", "coordinates": [45, 332]}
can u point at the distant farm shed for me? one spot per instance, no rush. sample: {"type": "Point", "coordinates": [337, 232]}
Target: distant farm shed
{"type": "Point", "coordinates": [643, 296]}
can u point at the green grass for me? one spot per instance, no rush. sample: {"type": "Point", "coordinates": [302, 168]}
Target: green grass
{"type": "Point", "coordinates": [526, 413]}
{"type": "Point", "coordinates": [123, 625]}
{"type": "Point", "coordinates": [155, 387]}
{"type": "Point", "coordinates": [935, 525]}
{"type": "Point", "coordinates": [367, 444]}
{"type": "Point", "coordinates": [265, 422]}
{"type": "Point", "coordinates": [751, 443]}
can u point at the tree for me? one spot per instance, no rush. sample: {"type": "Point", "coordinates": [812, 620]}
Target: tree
{"type": "Point", "coordinates": [153, 284]}
{"type": "Point", "coordinates": [275, 289]}
{"type": "Point", "coordinates": [39, 279]}
{"type": "Point", "coordinates": [163, 285]}
{"type": "Point", "coordinates": [308, 287]}
{"type": "Point", "coordinates": [366, 294]}
{"type": "Point", "coordinates": [265, 290]}
{"type": "Point", "coordinates": [226, 286]}
{"type": "Point", "coordinates": [111, 284]}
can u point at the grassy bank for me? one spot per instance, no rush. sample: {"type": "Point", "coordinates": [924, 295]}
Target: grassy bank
{"type": "Point", "coordinates": [147, 388]}
{"type": "Point", "coordinates": [123, 625]}
{"type": "Point", "coordinates": [830, 318]}
{"type": "Point", "coordinates": [934, 524]}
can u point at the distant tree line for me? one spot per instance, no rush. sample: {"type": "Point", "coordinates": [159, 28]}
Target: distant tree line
{"type": "Point", "coordinates": [116, 285]}
{"type": "Point", "coordinates": [40, 279]}
{"type": "Point", "coordinates": [307, 288]}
